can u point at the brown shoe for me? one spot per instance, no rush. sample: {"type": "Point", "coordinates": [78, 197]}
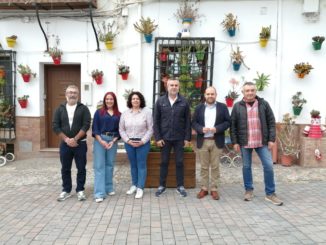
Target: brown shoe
{"type": "Point", "coordinates": [202, 193]}
{"type": "Point", "coordinates": [249, 195]}
{"type": "Point", "coordinates": [215, 195]}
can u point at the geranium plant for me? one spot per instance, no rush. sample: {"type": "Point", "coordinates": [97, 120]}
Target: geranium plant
{"type": "Point", "coordinates": [26, 72]}
{"type": "Point", "coordinates": [97, 76]}
{"type": "Point", "coordinates": [123, 70]}
{"type": "Point", "coordinates": [233, 94]}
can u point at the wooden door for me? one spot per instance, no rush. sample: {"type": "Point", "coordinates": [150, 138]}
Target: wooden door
{"type": "Point", "coordinates": [57, 79]}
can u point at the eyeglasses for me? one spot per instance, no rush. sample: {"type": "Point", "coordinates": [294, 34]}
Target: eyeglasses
{"type": "Point", "coordinates": [71, 92]}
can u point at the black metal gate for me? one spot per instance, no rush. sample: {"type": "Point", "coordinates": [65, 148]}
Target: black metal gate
{"type": "Point", "coordinates": [190, 60]}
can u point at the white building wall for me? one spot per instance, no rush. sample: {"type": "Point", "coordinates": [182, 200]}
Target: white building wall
{"type": "Point", "coordinates": [290, 44]}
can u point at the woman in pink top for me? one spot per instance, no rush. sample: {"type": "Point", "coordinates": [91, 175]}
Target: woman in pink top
{"type": "Point", "coordinates": [136, 129]}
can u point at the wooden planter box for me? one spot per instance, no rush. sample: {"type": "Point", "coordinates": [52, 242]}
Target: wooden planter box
{"type": "Point", "coordinates": [153, 170]}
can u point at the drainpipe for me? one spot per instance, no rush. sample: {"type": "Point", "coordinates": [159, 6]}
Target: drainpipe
{"type": "Point", "coordinates": [279, 43]}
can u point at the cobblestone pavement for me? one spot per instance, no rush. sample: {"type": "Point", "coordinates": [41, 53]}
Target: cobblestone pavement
{"type": "Point", "coordinates": [30, 214]}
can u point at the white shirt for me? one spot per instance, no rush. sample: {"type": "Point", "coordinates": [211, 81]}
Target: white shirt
{"type": "Point", "coordinates": [71, 111]}
{"type": "Point", "coordinates": [172, 101]}
{"type": "Point", "coordinates": [210, 118]}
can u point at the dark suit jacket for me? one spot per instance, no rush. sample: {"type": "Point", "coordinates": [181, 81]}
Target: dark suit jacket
{"type": "Point", "coordinates": [222, 123]}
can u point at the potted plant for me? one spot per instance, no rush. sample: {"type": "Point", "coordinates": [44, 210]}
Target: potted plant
{"type": "Point", "coordinates": [200, 51]}
{"type": "Point", "coordinates": [146, 27]}
{"type": "Point", "coordinates": [297, 103]}
{"type": "Point", "coordinates": [123, 70]}
{"type": "Point", "coordinates": [184, 58]}
{"type": "Point", "coordinates": [302, 69]}
{"type": "Point", "coordinates": [198, 79]}
{"type": "Point", "coordinates": [97, 76]}
{"type": "Point", "coordinates": [11, 41]}
{"type": "Point", "coordinates": [187, 12]}
{"type": "Point", "coordinates": [23, 101]}
{"type": "Point", "coordinates": [288, 143]}
{"type": "Point", "coordinates": [233, 94]}
{"type": "Point", "coordinates": [163, 55]}
{"type": "Point", "coordinates": [55, 53]}
{"type": "Point", "coordinates": [264, 35]}
{"type": "Point", "coordinates": [261, 81]}
{"type": "Point", "coordinates": [26, 72]}
{"type": "Point", "coordinates": [230, 24]}
{"type": "Point", "coordinates": [237, 59]}
{"type": "Point", "coordinates": [2, 76]}
{"type": "Point", "coordinates": [317, 42]}
{"type": "Point", "coordinates": [107, 34]}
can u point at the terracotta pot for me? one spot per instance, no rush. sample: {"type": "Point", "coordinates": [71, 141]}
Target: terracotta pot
{"type": "Point", "coordinates": [124, 76]}
{"type": "Point", "coordinates": [56, 60]}
{"type": "Point", "coordinates": [263, 42]}
{"type": "Point", "coordinates": [301, 75]}
{"type": "Point", "coordinates": [286, 160]}
{"type": "Point", "coordinates": [99, 80]}
{"type": "Point", "coordinates": [109, 45]}
{"type": "Point", "coordinates": [23, 103]}
{"type": "Point", "coordinates": [229, 102]}
{"type": "Point", "coordinates": [26, 77]}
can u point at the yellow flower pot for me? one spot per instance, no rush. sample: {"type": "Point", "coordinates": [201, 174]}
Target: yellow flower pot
{"type": "Point", "coordinates": [109, 45]}
{"type": "Point", "coordinates": [11, 42]}
{"type": "Point", "coordinates": [263, 42]}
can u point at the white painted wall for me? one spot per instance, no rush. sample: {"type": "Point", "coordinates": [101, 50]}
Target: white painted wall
{"type": "Point", "coordinates": [290, 44]}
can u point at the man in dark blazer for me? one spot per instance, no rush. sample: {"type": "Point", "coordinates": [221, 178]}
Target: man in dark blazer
{"type": "Point", "coordinates": [210, 121]}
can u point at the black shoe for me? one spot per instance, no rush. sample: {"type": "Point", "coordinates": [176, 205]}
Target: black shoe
{"type": "Point", "coordinates": [160, 191]}
{"type": "Point", "coordinates": [181, 190]}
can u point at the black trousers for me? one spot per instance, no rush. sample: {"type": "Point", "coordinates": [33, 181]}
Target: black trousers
{"type": "Point", "coordinates": [67, 154]}
{"type": "Point", "coordinates": [177, 146]}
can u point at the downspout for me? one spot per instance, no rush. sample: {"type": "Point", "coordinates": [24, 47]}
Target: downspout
{"type": "Point", "coordinates": [279, 57]}
{"type": "Point", "coordinates": [39, 22]}
{"type": "Point", "coordinates": [91, 17]}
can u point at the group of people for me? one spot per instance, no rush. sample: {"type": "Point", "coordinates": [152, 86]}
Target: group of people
{"type": "Point", "coordinates": [252, 127]}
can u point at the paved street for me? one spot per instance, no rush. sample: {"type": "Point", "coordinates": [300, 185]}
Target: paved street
{"type": "Point", "coordinates": [30, 214]}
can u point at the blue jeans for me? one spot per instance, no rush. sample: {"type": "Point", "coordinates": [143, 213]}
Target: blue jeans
{"type": "Point", "coordinates": [104, 161]}
{"type": "Point", "coordinates": [266, 159]}
{"type": "Point", "coordinates": [67, 154]}
{"type": "Point", "coordinates": [138, 163]}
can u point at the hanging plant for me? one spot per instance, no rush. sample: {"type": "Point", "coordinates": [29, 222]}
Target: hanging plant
{"type": "Point", "coordinates": [11, 41]}
{"type": "Point", "coordinates": [107, 33]}
{"type": "Point", "coordinates": [230, 24]}
{"type": "Point", "coordinates": [26, 72]}
{"type": "Point", "coordinates": [317, 42]}
{"type": "Point", "coordinates": [233, 93]}
{"type": "Point", "coordinates": [123, 70]}
{"type": "Point", "coordinates": [188, 12]}
{"type": "Point", "coordinates": [302, 69]}
{"type": "Point", "coordinates": [56, 54]}
{"type": "Point", "coordinates": [237, 59]}
{"type": "Point", "coordinates": [97, 76]}
{"type": "Point", "coordinates": [23, 101]}
{"type": "Point", "coordinates": [297, 103]}
{"type": "Point", "coordinates": [146, 27]}
{"type": "Point", "coordinates": [264, 35]}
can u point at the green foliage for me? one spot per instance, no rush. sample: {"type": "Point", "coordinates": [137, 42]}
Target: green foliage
{"type": "Point", "coordinates": [297, 101]}
{"type": "Point", "coordinates": [96, 73]}
{"type": "Point", "coordinates": [261, 81]}
{"type": "Point", "coordinates": [146, 26]}
{"type": "Point", "coordinates": [318, 39]}
{"type": "Point", "coordinates": [24, 97]}
{"type": "Point", "coordinates": [55, 52]}
{"type": "Point", "coordinates": [25, 70]}
{"type": "Point", "coordinates": [230, 22]}
{"type": "Point", "coordinates": [265, 32]}
{"type": "Point", "coordinates": [107, 32]}
{"type": "Point", "coordinates": [302, 68]}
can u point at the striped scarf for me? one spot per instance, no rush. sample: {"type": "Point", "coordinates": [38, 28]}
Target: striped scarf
{"type": "Point", "coordinates": [254, 126]}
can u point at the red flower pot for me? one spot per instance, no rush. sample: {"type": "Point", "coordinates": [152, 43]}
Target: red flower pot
{"type": "Point", "coordinates": [56, 60]}
{"type": "Point", "coordinates": [124, 76]}
{"type": "Point", "coordinates": [163, 57]}
{"type": "Point", "coordinates": [26, 77]}
{"type": "Point", "coordinates": [229, 102]}
{"type": "Point", "coordinates": [99, 80]}
{"type": "Point", "coordinates": [23, 103]}
{"type": "Point", "coordinates": [198, 82]}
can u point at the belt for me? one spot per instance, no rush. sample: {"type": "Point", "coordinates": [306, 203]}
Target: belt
{"type": "Point", "coordinates": [135, 139]}
{"type": "Point", "coordinates": [109, 134]}
{"type": "Point", "coordinates": [209, 138]}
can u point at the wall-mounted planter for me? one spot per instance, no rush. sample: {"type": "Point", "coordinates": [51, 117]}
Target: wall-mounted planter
{"type": "Point", "coordinates": [229, 102]}
{"type": "Point", "coordinates": [263, 42]}
{"type": "Point", "coordinates": [26, 77]}
{"type": "Point", "coordinates": [316, 45]}
{"type": "Point", "coordinates": [297, 110]}
{"type": "Point", "coordinates": [11, 42]}
{"type": "Point", "coordinates": [236, 66]}
{"type": "Point", "coordinates": [99, 80]}
{"type": "Point", "coordinates": [23, 103]}
{"type": "Point", "coordinates": [124, 76]}
{"type": "Point", "coordinates": [231, 32]}
{"type": "Point", "coordinates": [56, 60]}
{"type": "Point", "coordinates": [109, 45]}
{"type": "Point", "coordinates": [148, 38]}
{"type": "Point", "coordinates": [199, 82]}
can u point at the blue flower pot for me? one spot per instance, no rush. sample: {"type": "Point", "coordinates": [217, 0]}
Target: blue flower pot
{"type": "Point", "coordinates": [236, 66]}
{"type": "Point", "coordinates": [148, 38]}
{"type": "Point", "coordinates": [231, 32]}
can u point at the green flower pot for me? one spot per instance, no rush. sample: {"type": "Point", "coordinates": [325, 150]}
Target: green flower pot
{"type": "Point", "coordinates": [297, 110]}
{"type": "Point", "coordinates": [316, 45]}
